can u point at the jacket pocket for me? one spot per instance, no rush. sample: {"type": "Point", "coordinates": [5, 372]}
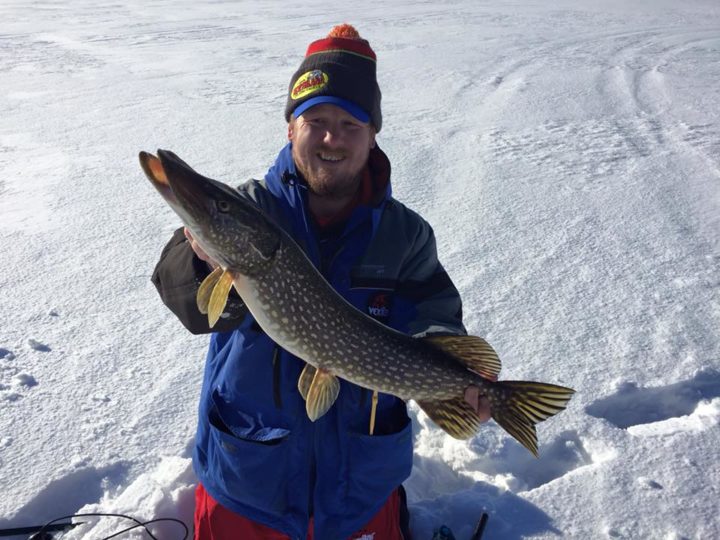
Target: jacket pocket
{"type": "Point", "coordinates": [250, 456]}
{"type": "Point", "coordinates": [378, 464]}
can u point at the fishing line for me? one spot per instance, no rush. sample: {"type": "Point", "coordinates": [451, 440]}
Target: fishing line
{"type": "Point", "coordinates": [40, 535]}
{"type": "Point", "coordinates": [144, 525]}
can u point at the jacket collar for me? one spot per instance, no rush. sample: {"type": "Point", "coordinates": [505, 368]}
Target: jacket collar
{"type": "Point", "coordinates": [284, 182]}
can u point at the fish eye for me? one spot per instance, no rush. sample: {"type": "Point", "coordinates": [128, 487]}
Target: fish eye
{"type": "Point", "coordinates": [223, 206]}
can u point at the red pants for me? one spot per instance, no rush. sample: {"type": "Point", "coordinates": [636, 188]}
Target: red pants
{"type": "Point", "coordinates": [215, 522]}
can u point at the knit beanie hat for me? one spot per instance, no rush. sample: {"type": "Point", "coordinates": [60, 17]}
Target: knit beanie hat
{"type": "Point", "coordinates": [340, 69]}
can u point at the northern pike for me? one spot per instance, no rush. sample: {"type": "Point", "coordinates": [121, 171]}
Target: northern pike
{"type": "Point", "coordinates": [299, 310]}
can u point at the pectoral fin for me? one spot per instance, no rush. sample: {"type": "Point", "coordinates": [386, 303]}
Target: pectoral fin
{"type": "Point", "coordinates": [219, 296]}
{"type": "Point", "coordinates": [323, 392]}
{"type": "Point", "coordinates": [206, 289]}
{"type": "Point", "coordinates": [305, 380]}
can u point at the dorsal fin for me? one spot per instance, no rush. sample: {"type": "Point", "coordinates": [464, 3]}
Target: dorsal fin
{"type": "Point", "coordinates": [472, 351]}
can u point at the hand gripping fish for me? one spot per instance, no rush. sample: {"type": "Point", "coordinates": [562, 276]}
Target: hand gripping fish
{"type": "Point", "coordinates": [302, 313]}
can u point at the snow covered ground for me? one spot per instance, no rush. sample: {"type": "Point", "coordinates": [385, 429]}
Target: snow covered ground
{"type": "Point", "coordinates": [567, 154]}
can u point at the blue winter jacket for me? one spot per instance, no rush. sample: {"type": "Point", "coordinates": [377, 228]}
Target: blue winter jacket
{"type": "Point", "coordinates": [256, 451]}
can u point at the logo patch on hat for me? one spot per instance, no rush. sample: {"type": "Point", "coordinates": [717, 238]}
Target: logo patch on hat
{"type": "Point", "coordinates": [379, 306]}
{"type": "Point", "coordinates": [308, 83]}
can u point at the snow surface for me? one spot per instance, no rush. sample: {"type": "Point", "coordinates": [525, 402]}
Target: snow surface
{"type": "Point", "coordinates": [567, 154]}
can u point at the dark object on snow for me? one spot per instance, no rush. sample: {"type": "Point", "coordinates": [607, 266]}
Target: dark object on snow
{"type": "Point", "coordinates": [443, 533]}
{"type": "Point", "coordinates": [43, 532]}
{"type": "Point", "coordinates": [44, 535]}
{"type": "Point", "coordinates": [480, 529]}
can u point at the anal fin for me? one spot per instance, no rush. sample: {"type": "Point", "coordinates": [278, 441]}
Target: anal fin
{"type": "Point", "coordinates": [455, 416]}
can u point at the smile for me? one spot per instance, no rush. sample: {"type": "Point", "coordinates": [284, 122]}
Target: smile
{"type": "Point", "coordinates": [330, 157]}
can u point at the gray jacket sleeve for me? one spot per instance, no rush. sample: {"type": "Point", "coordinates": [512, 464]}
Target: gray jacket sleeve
{"type": "Point", "coordinates": [403, 257]}
{"type": "Point", "coordinates": [424, 282]}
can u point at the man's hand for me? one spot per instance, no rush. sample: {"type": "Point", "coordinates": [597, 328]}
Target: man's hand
{"type": "Point", "coordinates": [200, 252]}
{"type": "Point", "coordinates": [478, 401]}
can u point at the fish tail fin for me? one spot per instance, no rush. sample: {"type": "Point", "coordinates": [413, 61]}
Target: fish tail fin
{"type": "Point", "coordinates": [518, 405]}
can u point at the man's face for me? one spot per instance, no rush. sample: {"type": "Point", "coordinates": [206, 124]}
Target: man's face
{"type": "Point", "coordinates": [330, 148]}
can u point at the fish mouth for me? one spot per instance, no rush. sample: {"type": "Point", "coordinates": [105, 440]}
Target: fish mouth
{"type": "Point", "coordinates": [185, 191]}
{"type": "Point", "coordinates": [188, 193]}
{"type": "Point", "coordinates": [154, 170]}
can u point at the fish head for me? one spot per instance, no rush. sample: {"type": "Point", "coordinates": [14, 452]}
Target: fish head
{"type": "Point", "coordinates": [230, 228]}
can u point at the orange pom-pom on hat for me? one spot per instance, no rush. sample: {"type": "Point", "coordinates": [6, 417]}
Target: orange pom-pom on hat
{"type": "Point", "coordinates": [340, 69]}
{"type": "Point", "coordinates": [344, 30]}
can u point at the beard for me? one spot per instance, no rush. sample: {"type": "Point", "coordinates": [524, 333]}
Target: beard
{"type": "Point", "coordinates": [330, 184]}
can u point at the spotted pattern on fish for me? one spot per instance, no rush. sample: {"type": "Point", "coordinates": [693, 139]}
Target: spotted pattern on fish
{"type": "Point", "coordinates": [313, 322]}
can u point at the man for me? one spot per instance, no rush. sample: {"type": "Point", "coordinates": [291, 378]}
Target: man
{"type": "Point", "coordinates": [265, 470]}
